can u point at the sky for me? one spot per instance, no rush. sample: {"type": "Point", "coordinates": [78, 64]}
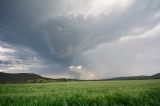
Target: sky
{"type": "Point", "coordinates": [82, 39]}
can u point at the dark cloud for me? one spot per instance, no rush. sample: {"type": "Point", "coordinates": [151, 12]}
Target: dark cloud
{"type": "Point", "coordinates": [5, 62]}
{"type": "Point", "coordinates": [60, 31]}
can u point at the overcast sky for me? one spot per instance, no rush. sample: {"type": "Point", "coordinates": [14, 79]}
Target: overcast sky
{"type": "Point", "coordinates": [85, 39]}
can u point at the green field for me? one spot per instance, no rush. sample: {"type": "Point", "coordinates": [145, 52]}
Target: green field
{"type": "Point", "coordinates": [82, 93]}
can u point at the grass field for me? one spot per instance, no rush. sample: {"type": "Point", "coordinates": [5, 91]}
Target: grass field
{"type": "Point", "coordinates": [84, 93]}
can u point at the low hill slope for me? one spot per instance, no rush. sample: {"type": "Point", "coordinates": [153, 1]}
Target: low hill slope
{"type": "Point", "coordinates": [155, 76]}
{"type": "Point", "coordinates": [27, 77]}
{"type": "Point", "coordinates": [30, 77]}
{"type": "Point", "coordinates": [18, 77]}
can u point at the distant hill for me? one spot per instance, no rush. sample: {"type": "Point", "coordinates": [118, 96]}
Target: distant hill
{"type": "Point", "coordinates": [34, 78]}
{"type": "Point", "coordinates": [155, 76]}
{"type": "Point", "coordinates": [18, 77]}
{"type": "Point", "coordinates": [25, 77]}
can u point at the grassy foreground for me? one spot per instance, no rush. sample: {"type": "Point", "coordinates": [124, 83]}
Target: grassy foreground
{"type": "Point", "coordinates": [85, 93]}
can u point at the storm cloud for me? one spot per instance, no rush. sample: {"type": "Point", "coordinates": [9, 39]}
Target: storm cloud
{"type": "Point", "coordinates": [62, 33]}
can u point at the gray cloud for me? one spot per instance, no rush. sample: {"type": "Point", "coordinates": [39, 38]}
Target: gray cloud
{"type": "Point", "coordinates": [13, 57]}
{"type": "Point", "coordinates": [61, 31]}
{"type": "Point", "coordinates": [136, 55]}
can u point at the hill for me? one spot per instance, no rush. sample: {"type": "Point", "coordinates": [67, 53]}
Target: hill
{"type": "Point", "coordinates": [34, 78]}
{"type": "Point", "coordinates": [18, 77]}
{"type": "Point", "coordinates": [155, 76]}
{"type": "Point", "coordinates": [25, 77]}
